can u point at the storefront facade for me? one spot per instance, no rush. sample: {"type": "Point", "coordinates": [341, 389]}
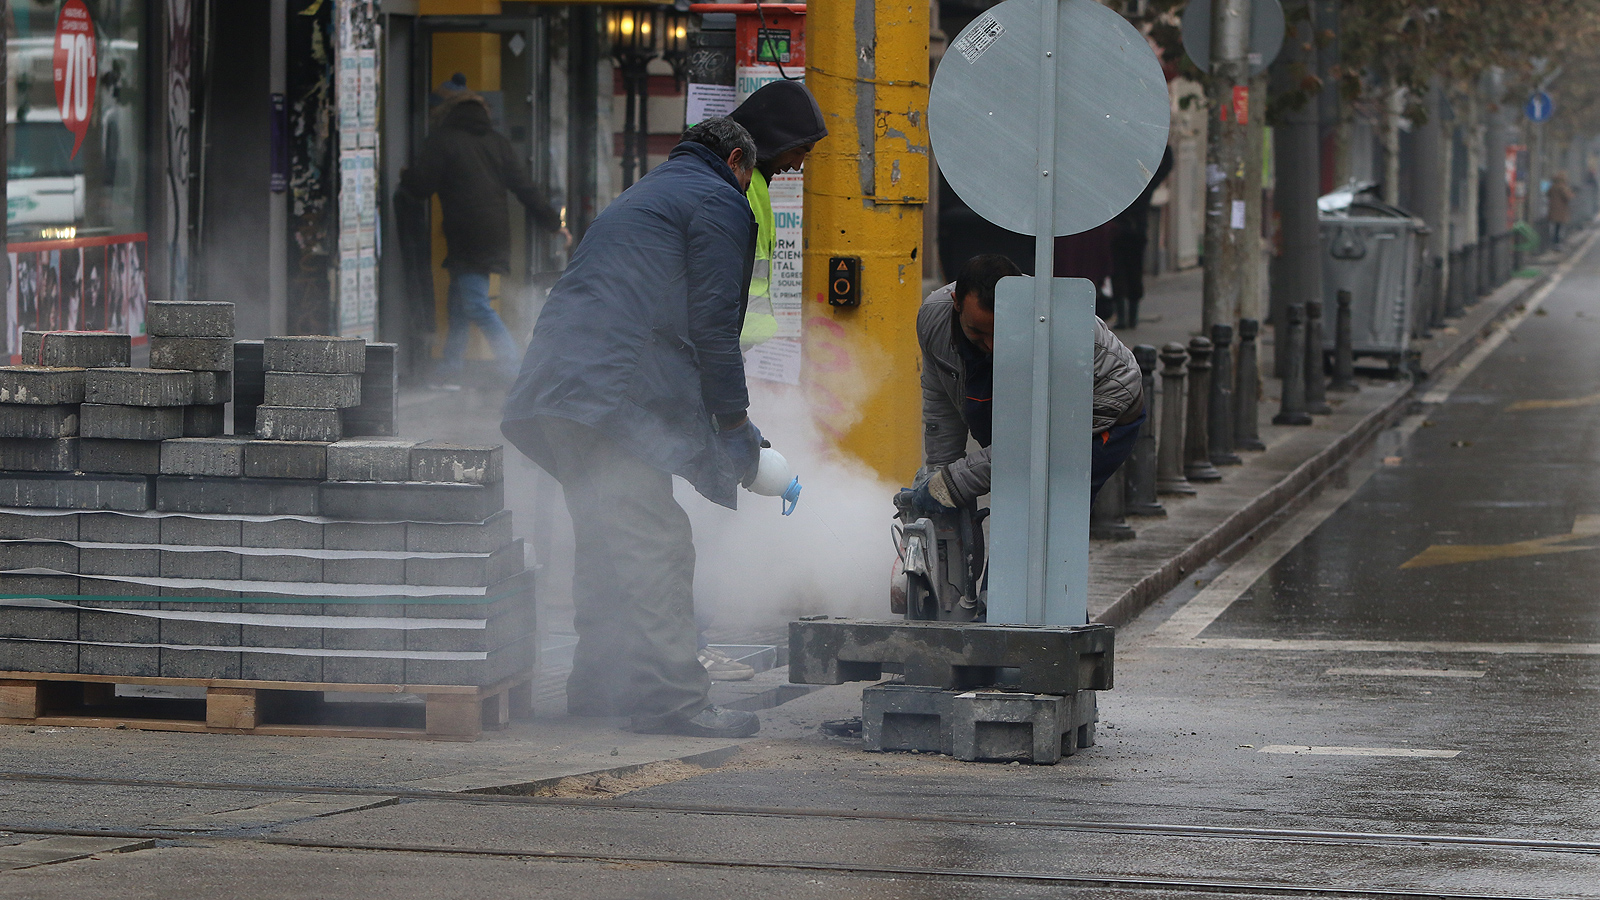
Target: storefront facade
{"type": "Point", "coordinates": [249, 150]}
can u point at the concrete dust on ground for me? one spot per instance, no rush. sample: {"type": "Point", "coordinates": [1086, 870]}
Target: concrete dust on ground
{"type": "Point", "coordinates": [615, 784]}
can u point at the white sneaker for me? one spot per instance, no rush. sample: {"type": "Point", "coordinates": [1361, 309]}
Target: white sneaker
{"type": "Point", "coordinates": [723, 667]}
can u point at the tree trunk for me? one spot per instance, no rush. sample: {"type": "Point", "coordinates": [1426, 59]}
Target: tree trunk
{"type": "Point", "coordinates": [1472, 133]}
{"type": "Point", "coordinates": [1296, 272]}
{"type": "Point", "coordinates": [1333, 115]}
{"type": "Point", "coordinates": [1251, 287]}
{"type": "Point", "coordinates": [1394, 100]}
{"type": "Point", "coordinates": [1227, 161]}
{"type": "Point", "coordinates": [1495, 194]}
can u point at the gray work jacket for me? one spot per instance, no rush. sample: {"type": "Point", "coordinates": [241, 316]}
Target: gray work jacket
{"type": "Point", "coordinates": [640, 337]}
{"type": "Point", "coordinates": [1118, 393]}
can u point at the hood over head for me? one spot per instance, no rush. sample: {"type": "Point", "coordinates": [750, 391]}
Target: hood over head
{"type": "Point", "coordinates": [781, 116]}
{"type": "Point", "coordinates": [461, 109]}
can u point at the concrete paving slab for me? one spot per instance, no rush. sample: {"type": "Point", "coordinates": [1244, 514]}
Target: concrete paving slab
{"type": "Point", "coordinates": [63, 848]}
{"type": "Point", "coordinates": [276, 812]}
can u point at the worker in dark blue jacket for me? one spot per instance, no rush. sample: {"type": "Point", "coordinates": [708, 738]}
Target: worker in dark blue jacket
{"type": "Point", "coordinates": [634, 375]}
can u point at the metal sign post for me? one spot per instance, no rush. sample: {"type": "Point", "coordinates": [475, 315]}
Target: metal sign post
{"type": "Point", "coordinates": [1265, 40]}
{"type": "Point", "coordinates": [1038, 388]}
{"type": "Point", "coordinates": [1048, 118]}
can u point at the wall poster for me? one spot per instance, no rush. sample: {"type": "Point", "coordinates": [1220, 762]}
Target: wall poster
{"type": "Point", "coordinates": [86, 284]}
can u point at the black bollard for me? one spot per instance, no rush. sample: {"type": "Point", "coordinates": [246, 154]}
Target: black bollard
{"type": "Point", "coordinates": [1344, 362]}
{"type": "Point", "coordinates": [1316, 378]}
{"type": "Point", "coordinates": [1197, 464]}
{"type": "Point", "coordinates": [1221, 411]}
{"type": "Point", "coordinates": [1292, 409]}
{"type": "Point", "coordinates": [1141, 466]}
{"type": "Point", "coordinates": [1485, 270]}
{"type": "Point", "coordinates": [1454, 308]}
{"type": "Point", "coordinates": [1436, 299]}
{"type": "Point", "coordinates": [1247, 390]}
{"type": "Point", "coordinates": [1480, 271]}
{"type": "Point", "coordinates": [1169, 448]}
{"type": "Point", "coordinates": [1108, 514]}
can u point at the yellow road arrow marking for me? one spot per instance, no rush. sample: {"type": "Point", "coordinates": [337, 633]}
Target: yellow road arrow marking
{"type": "Point", "coordinates": [1520, 405]}
{"type": "Point", "coordinates": [1586, 526]}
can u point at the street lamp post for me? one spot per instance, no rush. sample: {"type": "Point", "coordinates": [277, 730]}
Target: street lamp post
{"type": "Point", "coordinates": [633, 32]}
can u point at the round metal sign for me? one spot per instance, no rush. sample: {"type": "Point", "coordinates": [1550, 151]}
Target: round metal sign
{"type": "Point", "coordinates": [1111, 104]}
{"type": "Point", "coordinates": [1266, 33]}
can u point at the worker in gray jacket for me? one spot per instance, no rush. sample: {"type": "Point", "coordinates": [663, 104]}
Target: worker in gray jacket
{"type": "Point", "coordinates": [955, 327]}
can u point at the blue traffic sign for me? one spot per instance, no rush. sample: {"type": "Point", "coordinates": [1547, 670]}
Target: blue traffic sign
{"type": "Point", "coordinates": [1539, 107]}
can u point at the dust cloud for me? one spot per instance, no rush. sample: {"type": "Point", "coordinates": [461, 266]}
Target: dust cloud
{"type": "Point", "coordinates": [831, 557]}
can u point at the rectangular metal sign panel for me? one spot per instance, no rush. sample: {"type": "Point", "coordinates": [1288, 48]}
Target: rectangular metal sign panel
{"type": "Point", "coordinates": [1062, 502]}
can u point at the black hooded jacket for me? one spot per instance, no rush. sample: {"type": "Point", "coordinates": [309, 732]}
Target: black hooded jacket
{"type": "Point", "coordinates": [780, 116]}
{"type": "Point", "coordinates": [471, 167]}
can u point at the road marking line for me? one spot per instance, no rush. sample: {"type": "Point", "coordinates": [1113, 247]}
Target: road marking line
{"type": "Point", "coordinates": [1359, 751]}
{"type": "Point", "coordinates": [1529, 647]}
{"type": "Point", "coordinates": [1183, 628]}
{"type": "Point", "coordinates": [1212, 601]}
{"type": "Point", "coordinates": [1569, 403]}
{"type": "Point", "coordinates": [1585, 526]}
{"type": "Point", "coordinates": [1411, 673]}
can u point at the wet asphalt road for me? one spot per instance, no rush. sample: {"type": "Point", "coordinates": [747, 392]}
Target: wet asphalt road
{"type": "Point", "coordinates": [1394, 694]}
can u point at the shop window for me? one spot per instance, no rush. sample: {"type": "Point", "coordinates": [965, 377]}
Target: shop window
{"type": "Point", "coordinates": [76, 196]}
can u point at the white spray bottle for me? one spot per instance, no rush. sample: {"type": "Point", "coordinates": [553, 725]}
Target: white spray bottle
{"type": "Point", "coordinates": [774, 479]}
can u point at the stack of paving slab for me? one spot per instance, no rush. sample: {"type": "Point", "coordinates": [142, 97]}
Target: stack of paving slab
{"type": "Point", "coordinates": [375, 416]}
{"type": "Point", "coordinates": [972, 690]}
{"type": "Point", "coordinates": [290, 555]}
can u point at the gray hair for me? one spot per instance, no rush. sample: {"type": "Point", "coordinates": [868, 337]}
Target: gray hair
{"type": "Point", "coordinates": [722, 135]}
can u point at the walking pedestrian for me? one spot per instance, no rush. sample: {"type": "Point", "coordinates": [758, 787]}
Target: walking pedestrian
{"type": "Point", "coordinates": [1130, 236]}
{"type": "Point", "coordinates": [1558, 201]}
{"type": "Point", "coordinates": [471, 167]}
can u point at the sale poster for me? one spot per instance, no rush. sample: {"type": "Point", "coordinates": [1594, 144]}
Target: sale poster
{"type": "Point", "coordinates": [75, 69]}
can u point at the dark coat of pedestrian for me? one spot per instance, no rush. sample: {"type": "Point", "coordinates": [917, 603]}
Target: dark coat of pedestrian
{"type": "Point", "coordinates": [1559, 198]}
{"type": "Point", "coordinates": [471, 166]}
{"type": "Point", "coordinates": [1087, 255]}
{"type": "Point", "coordinates": [1130, 237]}
{"type": "Point", "coordinates": [1558, 203]}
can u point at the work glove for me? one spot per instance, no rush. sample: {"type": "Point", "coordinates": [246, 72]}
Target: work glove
{"type": "Point", "coordinates": [933, 494]}
{"type": "Point", "coordinates": [743, 445]}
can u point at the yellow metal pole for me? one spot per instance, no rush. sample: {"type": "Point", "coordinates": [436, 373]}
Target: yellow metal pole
{"type": "Point", "coordinates": [865, 186]}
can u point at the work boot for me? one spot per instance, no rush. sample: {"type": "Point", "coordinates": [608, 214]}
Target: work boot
{"type": "Point", "coordinates": [711, 722]}
{"type": "Point", "coordinates": [722, 667]}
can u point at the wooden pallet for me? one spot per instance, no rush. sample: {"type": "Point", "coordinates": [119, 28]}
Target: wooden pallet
{"type": "Point", "coordinates": [293, 709]}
